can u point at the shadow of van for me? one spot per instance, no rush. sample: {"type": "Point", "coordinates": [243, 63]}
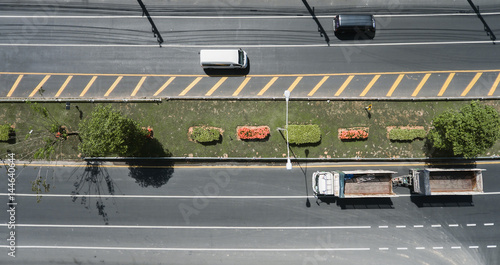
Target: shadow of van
{"type": "Point", "coordinates": [228, 72]}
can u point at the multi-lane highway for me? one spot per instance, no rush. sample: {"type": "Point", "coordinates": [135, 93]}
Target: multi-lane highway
{"type": "Point", "coordinates": [246, 214]}
{"type": "Point", "coordinates": [88, 53]}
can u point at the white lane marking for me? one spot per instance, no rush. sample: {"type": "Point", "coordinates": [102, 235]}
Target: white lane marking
{"type": "Point", "coordinates": [186, 196]}
{"type": "Point", "coordinates": [473, 246]}
{"type": "Point", "coordinates": [243, 17]}
{"type": "Point", "coordinates": [437, 247]}
{"type": "Point", "coordinates": [192, 249]}
{"type": "Point", "coordinates": [194, 227]}
{"type": "Point", "coordinates": [456, 247]}
{"type": "Point", "coordinates": [453, 225]}
{"type": "Point", "coordinates": [400, 226]}
{"type": "Point", "coordinates": [418, 226]}
{"type": "Point", "coordinates": [491, 246]}
{"type": "Point", "coordinates": [383, 248]}
{"type": "Point", "coordinates": [402, 248]}
{"type": "Point", "coordinates": [247, 46]}
{"type": "Point", "coordinates": [435, 225]}
{"type": "Point", "coordinates": [419, 248]}
{"type": "Point", "coordinates": [471, 224]}
{"type": "Point", "coordinates": [160, 196]}
{"type": "Point", "coordinates": [489, 224]}
{"type": "Point", "coordinates": [383, 226]}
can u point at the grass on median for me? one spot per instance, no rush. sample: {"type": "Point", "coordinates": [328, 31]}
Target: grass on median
{"type": "Point", "coordinates": [172, 119]}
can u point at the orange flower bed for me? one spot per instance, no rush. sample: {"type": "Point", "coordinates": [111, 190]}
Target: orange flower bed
{"type": "Point", "coordinates": [353, 134]}
{"type": "Point", "coordinates": [252, 133]}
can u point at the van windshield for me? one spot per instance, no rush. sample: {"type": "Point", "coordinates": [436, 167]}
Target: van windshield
{"type": "Point", "coordinates": [241, 57]}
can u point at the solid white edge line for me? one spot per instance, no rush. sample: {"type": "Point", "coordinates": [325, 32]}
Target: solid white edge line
{"type": "Point", "coordinates": [245, 17]}
{"type": "Point", "coordinates": [195, 197]}
{"type": "Point", "coordinates": [247, 46]}
{"type": "Point", "coordinates": [191, 249]}
{"type": "Point", "coordinates": [193, 227]}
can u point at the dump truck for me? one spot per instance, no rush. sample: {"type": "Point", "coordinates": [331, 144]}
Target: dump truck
{"type": "Point", "coordinates": [445, 181]}
{"type": "Point", "coordinates": [353, 184]}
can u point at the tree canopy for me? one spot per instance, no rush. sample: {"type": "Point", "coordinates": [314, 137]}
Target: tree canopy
{"type": "Point", "coordinates": [468, 132]}
{"type": "Point", "coordinates": [106, 132]}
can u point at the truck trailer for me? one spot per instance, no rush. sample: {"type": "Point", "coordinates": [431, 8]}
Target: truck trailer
{"type": "Point", "coordinates": [445, 181]}
{"type": "Point", "coordinates": [353, 184]}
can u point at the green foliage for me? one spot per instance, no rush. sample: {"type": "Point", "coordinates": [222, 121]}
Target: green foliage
{"type": "Point", "coordinates": [5, 131]}
{"type": "Point", "coordinates": [46, 150]}
{"type": "Point", "coordinates": [304, 134]}
{"type": "Point", "coordinates": [468, 132]}
{"type": "Point", "coordinates": [407, 134]}
{"type": "Point", "coordinates": [205, 135]}
{"type": "Point", "coordinates": [106, 132]}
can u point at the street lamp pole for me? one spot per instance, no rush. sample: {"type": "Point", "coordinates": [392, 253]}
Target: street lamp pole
{"type": "Point", "coordinates": [288, 162]}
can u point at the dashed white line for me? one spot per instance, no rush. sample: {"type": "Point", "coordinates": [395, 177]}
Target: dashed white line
{"type": "Point", "coordinates": [437, 247]}
{"type": "Point", "coordinates": [400, 226]}
{"type": "Point", "coordinates": [473, 246]}
{"type": "Point", "coordinates": [456, 247]}
{"type": "Point", "coordinates": [435, 225]}
{"type": "Point", "coordinates": [402, 248]}
{"type": "Point", "coordinates": [471, 224]}
{"type": "Point", "coordinates": [453, 225]}
{"type": "Point", "coordinates": [383, 226]}
{"type": "Point", "coordinates": [489, 224]}
{"type": "Point", "coordinates": [418, 226]}
{"type": "Point", "coordinates": [383, 248]}
{"type": "Point", "coordinates": [420, 248]}
{"type": "Point", "coordinates": [491, 246]}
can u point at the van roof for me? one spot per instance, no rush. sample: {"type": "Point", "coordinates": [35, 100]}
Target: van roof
{"type": "Point", "coordinates": [219, 56]}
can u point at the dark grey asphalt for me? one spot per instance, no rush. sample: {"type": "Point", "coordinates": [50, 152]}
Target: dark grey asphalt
{"type": "Point", "coordinates": [200, 242]}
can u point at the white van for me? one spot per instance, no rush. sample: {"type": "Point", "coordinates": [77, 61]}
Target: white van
{"type": "Point", "coordinates": [223, 59]}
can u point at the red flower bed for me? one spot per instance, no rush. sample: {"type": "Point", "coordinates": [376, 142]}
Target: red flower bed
{"type": "Point", "coordinates": [353, 134]}
{"type": "Point", "coordinates": [250, 133]}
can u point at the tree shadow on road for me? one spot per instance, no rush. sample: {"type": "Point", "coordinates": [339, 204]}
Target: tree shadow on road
{"type": "Point", "coordinates": [151, 173]}
{"type": "Point", "coordinates": [93, 183]}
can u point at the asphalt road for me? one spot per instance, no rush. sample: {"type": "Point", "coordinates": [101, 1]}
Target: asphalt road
{"type": "Point", "coordinates": [206, 215]}
{"type": "Point", "coordinates": [69, 48]}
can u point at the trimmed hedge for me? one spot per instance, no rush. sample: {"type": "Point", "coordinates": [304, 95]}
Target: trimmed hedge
{"type": "Point", "coordinates": [205, 135]}
{"type": "Point", "coordinates": [406, 134]}
{"type": "Point", "coordinates": [5, 131]}
{"type": "Point", "coordinates": [304, 134]}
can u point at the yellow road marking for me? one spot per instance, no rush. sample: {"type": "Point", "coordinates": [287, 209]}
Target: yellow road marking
{"type": "Point", "coordinates": [494, 86]}
{"type": "Point", "coordinates": [294, 84]}
{"type": "Point", "coordinates": [242, 85]}
{"type": "Point", "coordinates": [88, 86]}
{"type": "Point", "coordinates": [344, 85]}
{"type": "Point", "coordinates": [320, 83]}
{"type": "Point", "coordinates": [138, 86]}
{"type": "Point", "coordinates": [63, 86]}
{"type": "Point", "coordinates": [419, 87]}
{"type": "Point", "coordinates": [39, 85]}
{"type": "Point", "coordinates": [395, 85]}
{"type": "Point", "coordinates": [269, 84]}
{"type": "Point", "coordinates": [190, 86]}
{"type": "Point", "coordinates": [326, 165]}
{"type": "Point", "coordinates": [268, 75]}
{"type": "Point", "coordinates": [446, 84]}
{"type": "Point", "coordinates": [471, 84]}
{"type": "Point", "coordinates": [217, 85]}
{"type": "Point", "coordinates": [164, 86]}
{"type": "Point", "coordinates": [369, 86]}
{"type": "Point", "coordinates": [18, 80]}
{"type": "Point", "coordinates": [118, 79]}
